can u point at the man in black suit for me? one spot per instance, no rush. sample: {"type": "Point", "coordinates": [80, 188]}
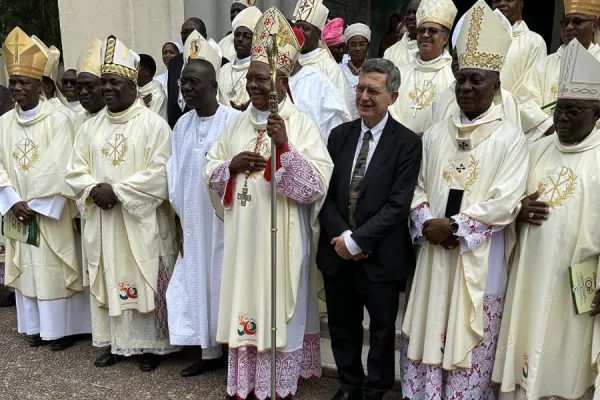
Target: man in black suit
{"type": "Point", "coordinates": [365, 249]}
{"type": "Point", "coordinates": [174, 102]}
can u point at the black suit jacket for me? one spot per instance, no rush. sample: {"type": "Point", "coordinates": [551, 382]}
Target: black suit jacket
{"type": "Point", "coordinates": [173, 110]}
{"type": "Point", "coordinates": [383, 204]}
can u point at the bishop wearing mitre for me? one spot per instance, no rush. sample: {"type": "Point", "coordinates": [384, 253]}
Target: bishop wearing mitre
{"type": "Point", "coordinates": [52, 304]}
{"type": "Point", "coordinates": [117, 174]}
{"type": "Point", "coordinates": [431, 71]}
{"type": "Point", "coordinates": [239, 170]}
{"type": "Point", "coordinates": [538, 93]}
{"type": "Point", "coordinates": [89, 84]}
{"type": "Point", "coordinates": [471, 182]}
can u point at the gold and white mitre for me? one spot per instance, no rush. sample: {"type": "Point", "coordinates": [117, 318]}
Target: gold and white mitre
{"type": "Point", "coordinates": [198, 48]}
{"type": "Point", "coordinates": [53, 55]}
{"type": "Point", "coordinates": [247, 3]}
{"type": "Point", "coordinates": [273, 22]}
{"type": "Point", "coordinates": [587, 7]}
{"type": "Point", "coordinates": [579, 74]}
{"type": "Point", "coordinates": [248, 18]}
{"type": "Point", "coordinates": [90, 60]}
{"type": "Point", "coordinates": [311, 11]}
{"type": "Point", "coordinates": [441, 12]}
{"type": "Point", "coordinates": [22, 56]}
{"type": "Point", "coordinates": [118, 59]}
{"type": "Point", "coordinates": [483, 41]}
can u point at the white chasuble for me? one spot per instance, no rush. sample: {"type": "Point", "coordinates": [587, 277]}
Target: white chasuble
{"type": "Point", "coordinates": [32, 169]}
{"type": "Point", "coordinates": [422, 82]}
{"type": "Point", "coordinates": [545, 348]}
{"type": "Point", "coordinates": [158, 103]}
{"type": "Point", "coordinates": [227, 47]}
{"type": "Point", "coordinates": [525, 50]}
{"type": "Point", "coordinates": [539, 90]}
{"type": "Point", "coordinates": [232, 83]}
{"type": "Point", "coordinates": [488, 161]}
{"type": "Point", "coordinates": [403, 52]}
{"type": "Point", "coordinates": [322, 60]}
{"type": "Point", "coordinates": [316, 96]}
{"type": "Point", "coordinates": [445, 105]}
{"type": "Point", "coordinates": [194, 289]}
{"type": "Point", "coordinates": [302, 181]}
{"type": "Point", "coordinates": [72, 115]}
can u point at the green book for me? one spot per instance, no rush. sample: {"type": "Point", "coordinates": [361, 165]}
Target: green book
{"type": "Point", "coordinates": [14, 229]}
{"type": "Point", "coordinates": [582, 278]}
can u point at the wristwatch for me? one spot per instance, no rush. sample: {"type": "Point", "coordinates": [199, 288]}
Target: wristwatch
{"type": "Point", "coordinates": [454, 226]}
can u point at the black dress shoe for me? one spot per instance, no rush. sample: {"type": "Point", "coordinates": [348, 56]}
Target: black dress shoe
{"type": "Point", "coordinates": [106, 359]}
{"type": "Point", "coordinates": [342, 395]}
{"type": "Point", "coordinates": [8, 301]}
{"type": "Point", "coordinates": [202, 366]}
{"type": "Point", "coordinates": [36, 341]}
{"type": "Point", "coordinates": [149, 362]}
{"type": "Point", "coordinates": [62, 344]}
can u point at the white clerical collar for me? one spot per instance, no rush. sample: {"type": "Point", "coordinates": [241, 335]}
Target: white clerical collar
{"type": "Point", "coordinates": [310, 54]}
{"type": "Point", "coordinates": [242, 61]}
{"type": "Point", "coordinates": [431, 62]}
{"type": "Point", "coordinates": [30, 114]}
{"type": "Point", "coordinates": [74, 104]}
{"type": "Point", "coordinates": [466, 121]}
{"type": "Point", "coordinates": [262, 116]}
{"type": "Point", "coordinates": [377, 130]}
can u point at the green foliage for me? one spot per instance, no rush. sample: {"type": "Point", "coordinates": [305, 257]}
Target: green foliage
{"type": "Point", "coordinates": [35, 17]}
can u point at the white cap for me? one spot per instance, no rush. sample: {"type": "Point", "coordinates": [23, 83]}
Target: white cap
{"type": "Point", "coordinates": [247, 18]}
{"type": "Point", "coordinates": [119, 59]}
{"type": "Point", "coordinates": [311, 11]}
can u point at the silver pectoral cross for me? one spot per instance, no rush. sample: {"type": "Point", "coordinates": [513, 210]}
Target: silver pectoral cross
{"type": "Point", "coordinates": [244, 196]}
{"type": "Point", "coordinates": [415, 107]}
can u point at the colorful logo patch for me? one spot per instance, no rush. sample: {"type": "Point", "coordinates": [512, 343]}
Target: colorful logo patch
{"type": "Point", "coordinates": [127, 291]}
{"type": "Point", "coordinates": [246, 325]}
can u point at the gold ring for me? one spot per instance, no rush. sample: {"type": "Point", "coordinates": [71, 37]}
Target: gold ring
{"type": "Point", "coordinates": [530, 215]}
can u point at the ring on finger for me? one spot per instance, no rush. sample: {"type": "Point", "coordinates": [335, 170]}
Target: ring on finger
{"type": "Point", "coordinates": [530, 215]}
{"type": "Point", "coordinates": [251, 164]}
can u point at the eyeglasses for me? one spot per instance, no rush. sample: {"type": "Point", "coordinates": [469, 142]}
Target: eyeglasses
{"type": "Point", "coordinates": [372, 93]}
{"type": "Point", "coordinates": [192, 81]}
{"type": "Point", "coordinates": [430, 31]}
{"type": "Point", "coordinates": [576, 21]}
{"type": "Point", "coordinates": [570, 112]}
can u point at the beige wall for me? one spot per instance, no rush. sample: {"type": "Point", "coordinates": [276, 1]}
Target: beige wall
{"type": "Point", "coordinates": [143, 25]}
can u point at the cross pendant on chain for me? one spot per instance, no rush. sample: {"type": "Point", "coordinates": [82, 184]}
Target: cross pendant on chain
{"type": "Point", "coordinates": [244, 196]}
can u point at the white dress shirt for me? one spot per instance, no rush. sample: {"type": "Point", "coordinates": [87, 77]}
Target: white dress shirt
{"type": "Point", "coordinates": [376, 131]}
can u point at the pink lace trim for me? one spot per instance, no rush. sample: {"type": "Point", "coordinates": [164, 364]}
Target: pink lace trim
{"type": "Point", "coordinates": [473, 233]}
{"type": "Point", "coordinates": [431, 382]}
{"type": "Point", "coordinates": [161, 318]}
{"type": "Point", "coordinates": [297, 178]}
{"type": "Point", "coordinates": [250, 371]}
{"type": "Point", "coordinates": [418, 216]}
{"type": "Point", "coordinates": [220, 178]}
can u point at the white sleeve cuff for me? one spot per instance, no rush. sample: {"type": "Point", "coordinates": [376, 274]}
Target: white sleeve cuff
{"type": "Point", "coordinates": [50, 207]}
{"type": "Point", "coordinates": [8, 198]}
{"type": "Point", "coordinates": [353, 248]}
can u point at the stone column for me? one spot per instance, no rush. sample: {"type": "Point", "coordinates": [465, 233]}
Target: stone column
{"type": "Point", "coordinates": [143, 25]}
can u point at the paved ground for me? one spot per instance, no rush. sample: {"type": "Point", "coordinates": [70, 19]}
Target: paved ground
{"type": "Point", "coordinates": [41, 374]}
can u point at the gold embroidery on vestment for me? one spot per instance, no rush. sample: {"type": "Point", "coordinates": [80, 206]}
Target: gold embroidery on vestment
{"type": "Point", "coordinates": [115, 149]}
{"type": "Point", "coordinates": [26, 154]}
{"type": "Point", "coordinates": [558, 185]}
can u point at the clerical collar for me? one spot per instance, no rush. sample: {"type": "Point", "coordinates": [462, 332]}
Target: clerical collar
{"type": "Point", "coordinates": [310, 54]}
{"type": "Point", "coordinates": [30, 114]}
{"type": "Point", "coordinates": [466, 121]}
{"type": "Point", "coordinates": [74, 104]}
{"type": "Point", "coordinates": [242, 61]}
{"type": "Point", "coordinates": [431, 62]}
{"type": "Point", "coordinates": [262, 116]}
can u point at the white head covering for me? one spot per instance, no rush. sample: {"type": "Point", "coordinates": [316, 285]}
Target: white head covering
{"type": "Point", "coordinates": [196, 47]}
{"type": "Point", "coordinates": [176, 44]}
{"type": "Point", "coordinates": [357, 29]}
{"type": "Point", "coordinates": [247, 18]}
{"type": "Point", "coordinates": [311, 11]}
{"type": "Point", "coordinates": [579, 74]}
{"type": "Point", "coordinates": [441, 12]}
{"type": "Point", "coordinates": [119, 59]}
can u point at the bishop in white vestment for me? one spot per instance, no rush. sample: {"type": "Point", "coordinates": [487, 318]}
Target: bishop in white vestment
{"type": "Point", "coordinates": [539, 90]}
{"type": "Point", "coordinates": [226, 44]}
{"type": "Point", "coordinates": [546, 349]}
{"type": "Point", "coordinates": [404, 51]}
{"type": "Point", "coordinates": [472, 179]}
{"type": "Point", "coordinates": [304, 170]}
{"type": "Point", "coordinates": [431, 72]}
{"type": "Point", "coordinates": [194, 289]}
{"type": "Point", "coordinates": [89, 84]}
{"type": "Point", "coordinates": [117, 173]}
{"type": "Point", "coordinates": [48, 282]}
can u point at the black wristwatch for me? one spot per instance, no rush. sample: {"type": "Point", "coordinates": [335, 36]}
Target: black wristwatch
{"type": "Point", "coordinates": [454, 226]}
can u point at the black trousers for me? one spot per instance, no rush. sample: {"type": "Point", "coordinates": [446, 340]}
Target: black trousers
{"type": "Point", "coordinates": [348, 292]}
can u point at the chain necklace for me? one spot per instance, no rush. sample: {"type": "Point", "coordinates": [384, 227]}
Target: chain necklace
{"type": "Point", "coordinates": [244, 197]}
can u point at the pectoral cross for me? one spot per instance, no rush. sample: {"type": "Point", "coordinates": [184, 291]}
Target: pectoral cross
{"type": "Point", "coordinates": [463, 145]}
{"type": "Point", "coordinates": [16, 45]}
{"type": "Point", "coordinates": [415, 107]}
{"type": "Point", "coordinates": [461, 168]}
{"type": "Point", "coordinates": [244, 196]}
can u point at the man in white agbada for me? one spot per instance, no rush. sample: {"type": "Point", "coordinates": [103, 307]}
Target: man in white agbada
{"type": "Point", "coordinates": [316, 96]}
{"type": "Point", "coordinates": [239, 170]}
{"type": "Point", "coordinates": [226, 44]}
{"type": "Point", "coordinates": [404, 51]}
{"type": "Point", "coordinates": [311, 16]}
{"type": "Point", "coordinates": [546, 350]}
{"type": "Point", "coordinates": [52, 304]}
{"type": "Point", "coordinates": [150, 90]}
{"type": "Point", "coordinates": [471, 182]}
{"type": "Point", "coordinates": [194, 289]}
{"type": "Point", "coordinates": [526, 48]}
{"type": "Point", "coordinates": [431, 72]}
{"type": "Point", "coordinates": [89, 83]}
{"type": "Point", "coordinates": [445, 104]}
{"type": "Point", "coordinates": [117, 173]}
{"type": "Point", "coordinates": [232, 78]}
{"type": "Point", "coordinates": [537, 95]}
